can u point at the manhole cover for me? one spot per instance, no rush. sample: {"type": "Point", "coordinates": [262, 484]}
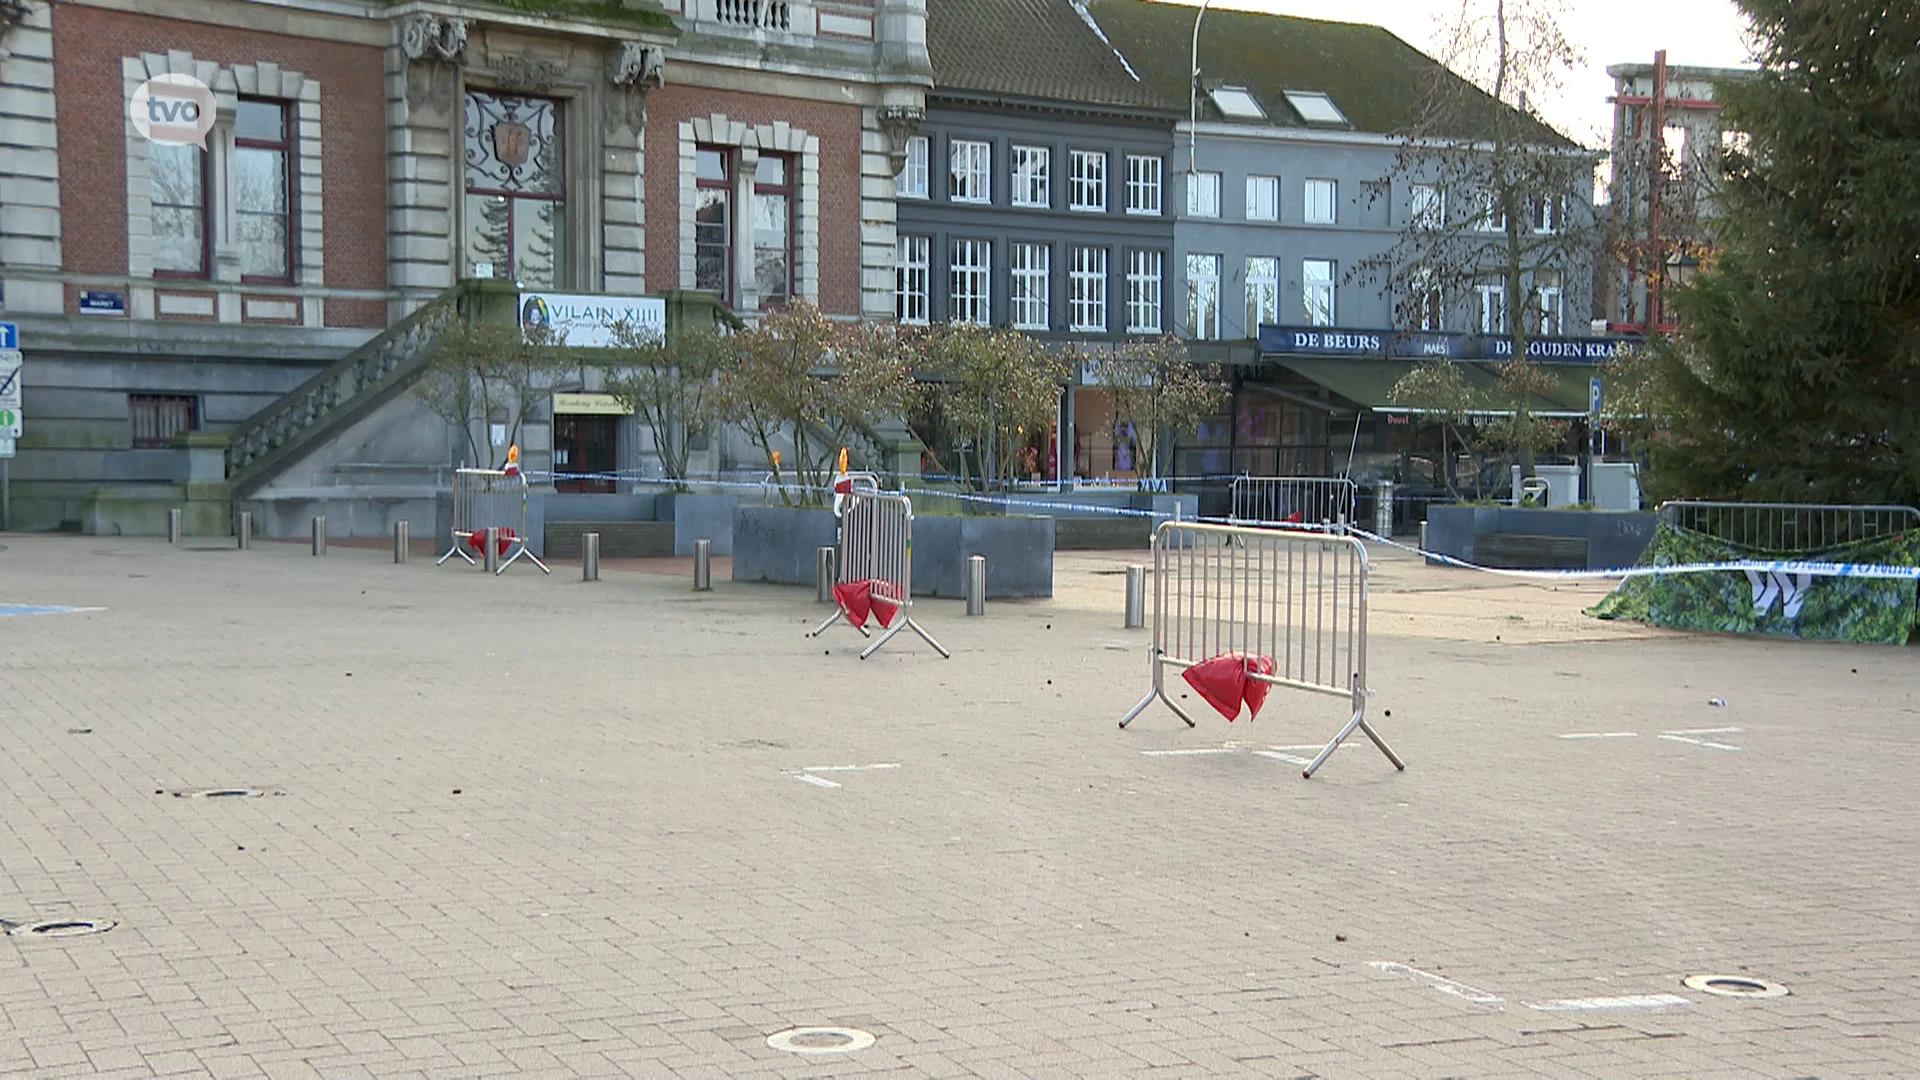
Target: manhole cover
{"type": "Point", "coordinates": [820, 1040]}
{"type": "Point", "coordinates": [60, 928]}
{"type": "Point", "coordinates": [1734, 986]}
{"type": "Point", "coordinates": [220, 793]}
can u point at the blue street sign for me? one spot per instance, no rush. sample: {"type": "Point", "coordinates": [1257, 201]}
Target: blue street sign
{"type": "Point", "coordinates": [1593, 396]}
{"type": "Point", "coordinates": [9, 335]}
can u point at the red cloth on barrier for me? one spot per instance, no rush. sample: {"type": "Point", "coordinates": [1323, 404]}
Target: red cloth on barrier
{"type": "Point", "coordinates": [855, 599]}
{"type": "Point", "coordinates": [1256, 691]}
{"type": "Point", "coordinates": [1295, 518]}
{"type": "Point", "coordinates": [1222, 680]}
{"type": "Point", "coordinates": [887, 601]}
{"type": "Point", "coordinates": [478, 541]}
{"type": "Point", "coordinates": [843, 485]}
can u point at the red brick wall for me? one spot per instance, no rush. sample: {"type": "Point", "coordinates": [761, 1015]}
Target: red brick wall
{"type": "Point", "coordinates": [838, 128]}
{"type": "Point", "coordinates": [91, 99]}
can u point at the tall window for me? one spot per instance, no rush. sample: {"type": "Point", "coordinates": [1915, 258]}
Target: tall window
{"type": "Point", "coordinates": [1545, 214]}
{"type": "Point", "coordinates": [1319, 202]}
{"type": "Point", "coordinates": [1493, 216]}
{"type": "Point", "coordinates": [1203, 194]}
{"type": "Point", "coordinates": [1493, 307]}
{"type": "Point", "coordinates": [516, 185]}
{"type": "Point", "coordinates": [713, 220]}
{"type": "Point", "coordinates": [263, 158]}
{"type": "Point", "coordinates": [1429, 304]}
{"type": "Point", "coordinates": [1203, 296]}
{"type": "Point", "coordinates": [1088, 289]}
{"type": "Point", "coordinates": [1032, 176]}
{"type": "Point", "coordinates": [1089, 181]}
{"type": "Point", "coordinates": [1263, 198]}
{"type": "Point", "coordinates": [912, 181]}
{"type": "Point", "coordinates": [1552, 304]}
{"type": "Point", "coordinates": [1263, 292]}
{"type": "Point", "coordinates": [968, 273]}
{"type": "Point", "coordinates": [1031, 270]}
{"type": "Point", "coordinates": [1144, 272]}
{"type": "Point", "coordinates": [913, 268]}
{"type": "Point", "coordinates": [1427, 206]}
{"type": "Point", "coordinates": [773, 229]}
{"type": "Point", "coordinates": [178, 179]}
{"type": "Point", "coordinates": [970, 171]}
{"type": "Point", "coordinates": [157, 418]}
{"type": "Point", "coordinates": [1316, 282]}
{"type": "Point", "coordinates": [1143, 184]}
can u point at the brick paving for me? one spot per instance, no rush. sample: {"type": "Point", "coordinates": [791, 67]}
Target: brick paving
{"type": "Point", "coordinates": [532, 827]}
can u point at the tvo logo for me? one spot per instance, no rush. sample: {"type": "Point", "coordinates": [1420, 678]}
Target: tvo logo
{"type": "Point", "coordinates": [173, 110]}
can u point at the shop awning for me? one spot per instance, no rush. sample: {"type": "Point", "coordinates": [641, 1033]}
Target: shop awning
{"type": "Point", "coordinates": [1369, 382]}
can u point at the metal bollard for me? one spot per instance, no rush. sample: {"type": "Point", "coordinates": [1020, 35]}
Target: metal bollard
{"type": "Point", "coordinates": [400, 542]}
{"type": "Point", "coordinates": [173, 526]}
{"type": "Point", "coordinates": [320, 535]}
{"type": "Point", "coordinates": [243, 531]}
{"type": "Point", "coordinates": [1136, 597]}
{"type": "Point", "coordinates": [823, 575]}
{"type": "Point", "coordinates": [976, 584]}
{"type": "Point", "coordinates": [702, 565]}
{"type": "Point", "coordinates": [589, 556]}
{"type": "Point", "coordinates": [1383, 510]}
{"type": "Point", "coordinates": [492, 556]}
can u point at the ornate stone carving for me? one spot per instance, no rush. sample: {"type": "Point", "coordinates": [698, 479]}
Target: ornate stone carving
{"type": "Point", "coordinates": [527, 72]}
{"type": "Point", "coordinates": [435, 46]}
{"type": "Point", "coordinates": [899, 123]}
{"type": "Point", "coordinates": [638, 66]}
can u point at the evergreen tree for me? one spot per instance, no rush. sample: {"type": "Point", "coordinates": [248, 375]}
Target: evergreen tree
{"type": "Point", "coordinates": [1796, 377]}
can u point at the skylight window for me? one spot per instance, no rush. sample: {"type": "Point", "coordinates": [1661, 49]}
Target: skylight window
{"type": "Point", "coordinates": [1315, 107]}
{"type": "Point", "coordinates": [1235, 103]}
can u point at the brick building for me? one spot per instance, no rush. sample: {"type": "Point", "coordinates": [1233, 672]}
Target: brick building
{"type": "Point", "coordinates": [360, 165]}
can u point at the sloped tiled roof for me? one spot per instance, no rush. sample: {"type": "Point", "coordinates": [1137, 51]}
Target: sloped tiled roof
{"type": "Point", "coordinates": [1376, 79]}
{"type": "Point", "coordinates": [1037, 50]}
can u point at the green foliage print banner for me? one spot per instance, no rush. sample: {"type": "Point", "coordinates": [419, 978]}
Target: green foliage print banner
{"type": "Point", "coordinates": [1867, 610]}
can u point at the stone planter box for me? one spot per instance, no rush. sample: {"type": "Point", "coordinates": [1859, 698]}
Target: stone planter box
{"type": "Point", "coordinates": [1612, 538]}
{"type": "Point", "coordinates": [698, 517]}
{"type": "Point", "coordinates": [776, 544]}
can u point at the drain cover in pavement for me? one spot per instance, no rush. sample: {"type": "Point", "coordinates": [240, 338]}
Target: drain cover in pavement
{"type": "Point", "coordinates": [60, 928]}
{"type": "Point", "coordinates": [1734, 986]}
{"type": "Point", "coordinates": [820, 1040]}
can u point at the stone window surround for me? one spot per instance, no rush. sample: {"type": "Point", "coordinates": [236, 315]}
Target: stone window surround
{"type": "Point", "coordinates": [228, 83]}
{"type": "Point", "coordinates": [749, 140]}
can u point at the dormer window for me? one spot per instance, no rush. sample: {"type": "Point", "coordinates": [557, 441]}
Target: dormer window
{"type": "Point", "coordinates": [1316, 108]}
{"type": "Point", "coordinates": [1235, 103]}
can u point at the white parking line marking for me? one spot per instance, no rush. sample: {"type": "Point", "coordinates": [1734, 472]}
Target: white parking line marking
{"type": "Point", "coordinates": [1640, 1001]}
{"type": "Point", "coordinates": [1601, 735]}
{"type": "Point", "coordinates": [1190, 753]}
{"type": "Point", "coordinates": [1703, 731]}
{"type": "Point", "coordinates": [850, 768]}
{"type": "Point", "coordinates": [1699, 742]}
{"type": "Point", "coordinates": [816, 781]}
{"type": "Point", "coordinates": [1438, 982]}
{"type": "Point", "coordinates": [1278, 756]}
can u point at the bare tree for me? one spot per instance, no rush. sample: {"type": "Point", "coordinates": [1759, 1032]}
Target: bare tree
{"type": "Point", "coordinates": [479, 374]}
{"type": "Point", "coordinates": [1158, 391]}
{"type": "Point", "coordinates": [671, 383]}
{"type": "Point", "coordinates": [1499, 205]}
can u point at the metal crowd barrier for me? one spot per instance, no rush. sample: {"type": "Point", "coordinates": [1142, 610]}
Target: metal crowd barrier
{"type": "Point", "coordinates": [1292, 601]}
{"type": "Point", "coordinates": [1300, 500]}
{"type": "Point", "coordinates": [1788, 528]}
{"type": "Point", "coordinates": [876, 549]}
{"type": "Point", "coordinates": [490, 498]}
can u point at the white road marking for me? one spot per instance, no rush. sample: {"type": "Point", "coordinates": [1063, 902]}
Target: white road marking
{"type": "Point", "coordinates": [850, 768]}
{"type": "Point", "coordinates": [1640, 1001]}
{"type": "Point", "coordinates": [1699, 742]}
{"type": "Point", "coordinates": [1601, 735]}
{"type": "Point", "coordinates": [1190, 753]}
{"type": "Point", "coordinates": [1703, 731]}
{"type": "Point", "coordinates": [1288, 758]}
{"type": "Point", "coordinates": [1438, 982]}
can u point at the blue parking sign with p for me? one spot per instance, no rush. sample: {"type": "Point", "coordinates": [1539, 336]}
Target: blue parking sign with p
{"type": "Point", "coordinates": [1593, 396]}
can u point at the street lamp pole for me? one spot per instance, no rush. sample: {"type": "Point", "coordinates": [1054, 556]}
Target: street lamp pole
{"type": "Point", "coordinates": [1193, 96]}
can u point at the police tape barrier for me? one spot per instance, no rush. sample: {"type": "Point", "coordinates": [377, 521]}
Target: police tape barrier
{"type": "Point", "coordinates": [490, 498]}
{"type": "Point", "coordinates": [1293, 500]}
{"type": "Point", "coordinates": [874, 570]}
{"type": "Point", "coordinates": [1237, 611]}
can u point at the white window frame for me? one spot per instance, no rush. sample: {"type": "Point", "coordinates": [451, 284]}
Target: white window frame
{"type": "Point", "coordinates": [1087, 181]}
{"type": "Point", "coordinates": [1492, 219]}
{"type": "Point", "coordinates": [1207, 183]}
{"type": "Point", "coordinates": [1146, 273]}
{"type": "Point", "coordinates": [1320, 201]}
{"type": "Point", "coordinates": [913, 280]}
{"type": "Point", "coordinates": [1087, 289]}
{"type": "Point", "coordinates": [1546, 215]}
{"type": "Point", "coordinates": [1492, 316]}
{"type": "Point", "coordinates": [1146, 174]}
{"type": "Point", "coordinates": [1317, 293]}
{"type": "Point", "coordinates": [1552, 302]}
{"type": "Point", "coordinates": [974, 303]}
{"type": "Point", "coordinates": [1032, 169]}
{"type": "Point", "coordinates": [1429, 302]}
{"type": "Point", "coordinates": [1263, 292]}
{"type": "Point", "coordinates": [911, 183]}
{"type": "Point", "coordinates": [1427, 207]}
{"type": "Point", "coordinates": [1030, 285]}
{"type": "Point", "coordinates": [1203, 296]}
{"type": "Point", "coordinates": [970, 167]}
{"type": "Point", "coordinates": [1263, 198]}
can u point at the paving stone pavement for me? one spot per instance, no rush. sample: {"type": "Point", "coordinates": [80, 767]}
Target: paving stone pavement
{"type": "Point", "coordinates": [534, 827]}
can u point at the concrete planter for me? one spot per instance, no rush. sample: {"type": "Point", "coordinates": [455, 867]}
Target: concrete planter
{"type": "Point", "coordinates": [697, 517]}
{"type": "Point", "coordinates": [777, 543]}
{"type": "Point", "coordinates": [1613, 538]}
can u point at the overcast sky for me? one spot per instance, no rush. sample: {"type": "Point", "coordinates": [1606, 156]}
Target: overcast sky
{"type": "Point", "coordinates": [1702, 33]}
